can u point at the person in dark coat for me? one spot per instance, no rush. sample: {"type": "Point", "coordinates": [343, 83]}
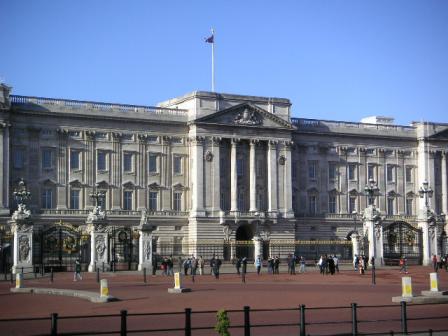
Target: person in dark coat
{"type": "Point", "coordinates": [331, 266]}
{"type": "Point", "coordinates": [244, 263]}
{"type": "Point", "coordinates": [238, 265]}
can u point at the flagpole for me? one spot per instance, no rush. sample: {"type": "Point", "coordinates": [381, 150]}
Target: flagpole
{"type": "Point", "coordinates": [213, 61]}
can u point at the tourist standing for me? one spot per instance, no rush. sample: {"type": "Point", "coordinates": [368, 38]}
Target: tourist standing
{"type": "Point", "coordinates": [302, 264]}
{"type": "Point", "coordinates": [258, 264]}
{"type": "Point", "coordinates": [277, 265]}
{"type": "Point", "coordinates": [201, 263]}
{"type": "Point", "coordinates": [336, 263]}
{"type": "Point", "coordinates": [403, 265]}
{"type": "Point", "coordinates": [238, 265]}
{"type": "Point", "coordinates": [77, 274]}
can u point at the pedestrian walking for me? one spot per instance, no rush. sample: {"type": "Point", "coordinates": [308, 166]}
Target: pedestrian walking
{"type": "Point", "coordinates": [435, 264]}
{"type": "Point", "coordinates": [201, 263]}
{"type": "Point", "coordinates": [238, 265]}
{"type": "Point", "coordinates": [276, 265]}
{"type": "Point", "coordinates": [77, 275]}
{"type": "Point", "coordinates": [336, 263]}
{"type": "Point", "coordinates": [403, 265]}
{"type": "Point", "coordinates": [258, 264]}
{"type": "Point", "coordinates": [302, 264]}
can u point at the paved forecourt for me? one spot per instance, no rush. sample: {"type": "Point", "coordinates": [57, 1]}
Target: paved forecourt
{"type": "Point", "coordinates": [228, 292]}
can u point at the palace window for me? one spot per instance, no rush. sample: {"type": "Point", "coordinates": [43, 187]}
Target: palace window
{"type": "Point", "coordinates": [222, 202]}
{"type": "Point", "coordinates": [19, 158]}
{"type": "Point", "coordinates": [409, 206]}
{"type": "Point", "coordinates": [312, 170]}
{"type": "Point", "coordinates": [312, 204]}
{"type": "Point", "coordinates": [101, 162]}
{"type": "Point", "coordinates": [390, 206]}
{"type": "Point", "coordinates": [177, 201]}
{"type": "Point", "coordinates": [240, 167]}
{"type": "Point", "coordinates": [259, 168]}
{"type": "Point", "coordinates": [408, 174]}
{"type": "Point", "coordinates": [332, 204]}
{"type": "Point", "coordinates": [351, 204]}
{"type": "Point", "coordinates": [260, 205]}
{"type": "Point", "coordinates": [352, 169]}
{"type": "Point", "coordinates": [127, 200]}
{"type": "Point", "coordinates": [152, 163]}
{"type": "Point", "coordinates": [390, 173]}
{"type": "Point", "coordinates": [241, 201]}
{"type": "Point", "coordinates": [177, 165]}
{"type": "Point", "coordinates": [153, 200]}
{"type": "Point", "coordinates": [47, 158]}
{"type": "Point", "coordinates": [47, 199]}
{"type": "Point", "coordinates": [74, 199]}
{"type": "Point", "coordinates": [75, 163]}
{"type": "Point", "coordinates": [128, 162]}
{"type": "Point", "coordinates": [371, 171]}
{"type": "Point", "coordinates": [331, 170]}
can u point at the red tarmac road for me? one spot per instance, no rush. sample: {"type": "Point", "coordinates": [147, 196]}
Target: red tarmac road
{"type": "Point", "coordinates": [208, 294]}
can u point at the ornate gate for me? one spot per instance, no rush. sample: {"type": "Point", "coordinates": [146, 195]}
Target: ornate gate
{"type": "Point", "coordinates": [59, 246]}
{"type": "Point", "coordinates": [123, 249]}
{"type": "Point", "coordinates": [5, 251]}
{"type": "Point", "coordinates": [401, 239]}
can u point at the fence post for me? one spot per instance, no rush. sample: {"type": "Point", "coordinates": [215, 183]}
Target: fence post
{"type": "Point", "coordinates": [42, 272]}
{"type": "Point", "coordinates": [354, 320]}
{"type": "Point", "coordinates": [404, 318]}
{"type": "Point", "coordinates": [51, 275]}
{"type": "Point", "coordinates": [246, 321]}
{"type": "Point", "coordinates": [54, 324]}
{"type": "Point", "coordinates": [97, 275]}
{"type": "Point", "coordinates": [123, 324]}
{"type": "Point", "coordinates": [103, 267]}
{"type": "Point", "coordinates": [35, 271]}
{"type": "Point", "coordinates": [187, 321]}
{"type": "Point", "coordinates": [302, 320]}
{"type": "Point", "coordinates": [373, 275]}
{"type": "Point", "coordinates": [11, 280]}
{"type": "Point", "coordinates": [144, 274]}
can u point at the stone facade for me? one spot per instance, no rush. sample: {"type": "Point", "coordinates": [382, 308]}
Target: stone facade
{"type": "Point", "coordinates": [202, 166]}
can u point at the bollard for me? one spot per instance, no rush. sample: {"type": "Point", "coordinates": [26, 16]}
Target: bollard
{"type": "Point", "coordinates": [354, 320]}
{"type": "Point", "coordinates": [373, 275]}
{"type": "Point", "coordinates": [104, 289]}
{"type": "Point", "coordinates": [19, 280]}
{"type": "Point", "coordinates": [302, 320]}
{"type": "Point", "coordinates": [433, 282]}
{"type": "Point", "coordinates": [11, 279]}
{"type": "Point", "coordinates": [103, 267]}
{"type": "Point", "coordinates": [187, 321]}
{"type": "Point", "coordinates": [404, 318]}
{"type": "Point", "coordinates": [97, 275]}
{"type": "Point", "coordinates": [406, 285]}
{"type": "Point", "coordinates": [54, 324]}
{"type": "Point", "coordinates": [246, 321]}
{"type": "Point", "coordinates": [51, 275]}
{"type": "Point", "coordinates": [177, 282]}
{"type": "Point", "coordinates": [144, 274]}
{"type": "Point", "coordinates": [123, 325]}
{"type": "Point", "coordinates": [22, 270]}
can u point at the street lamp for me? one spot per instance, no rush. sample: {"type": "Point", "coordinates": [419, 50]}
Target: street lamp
{"type": "Point", "coordinates": [22, 194]}
{"type": "Point", "coordinates": [99, 197]}
{"type": "Point", "coordinates": [371, 189]}
{"type": "Point", "coordinates": [425, 191]}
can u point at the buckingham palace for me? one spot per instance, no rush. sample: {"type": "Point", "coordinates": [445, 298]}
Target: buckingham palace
{"type": "Point", "coordinates": [213, 174]}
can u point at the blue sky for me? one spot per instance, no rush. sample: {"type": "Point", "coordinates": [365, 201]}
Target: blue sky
{"type": "Point", "coordinates": [335, 59]}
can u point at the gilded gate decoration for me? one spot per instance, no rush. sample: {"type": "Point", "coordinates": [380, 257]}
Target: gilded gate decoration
{"type": "Point", "coordinates": [402, 239]}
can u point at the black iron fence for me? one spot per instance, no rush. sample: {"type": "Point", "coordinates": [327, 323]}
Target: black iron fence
{"type": "Point", "coordinates": [344, 320]}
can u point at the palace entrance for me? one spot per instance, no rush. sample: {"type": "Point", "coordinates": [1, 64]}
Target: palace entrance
{"type": "Point", "coordinates": [59, 246]}
{"type": "Point", "coordinates": [402, 239]}
{"type": "Point", "coordinates": [243, 242]}
{"type": "Point", "coordinates": [122, 248]}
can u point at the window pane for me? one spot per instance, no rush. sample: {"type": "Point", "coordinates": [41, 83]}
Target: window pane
{"type": "Point", "coordinates": [390, 206]}
{"type": "Point", "coordinates": [47, 158]}
{"type": "Point", "coordinates": [240, 167]}
{"type": "Point", "coordinates": [352, 204]}
{"type": "Point", "coordinates": [74, 159]}
{"type": "Point", "coordinates": [331, 171]}
{"type": "Point", "coordinates": [332, 204]}
{"type": "Point", "coordinates": [47, 198]}
{"type": "Point", "coordinates": [352, 172]}
{"type": "Point", "coordinates": [177, 165]}
{"type": "Point", "coordinates": [409, 205]}
{"type": "Point", "coordinates": [177, 204]}
{"type": "Point", "coordinates": [152, 163]}
{"type": "Point", "coordinates": [101, 162]}
{"type": "Point", "coordinates": [152, 200]}
{"type": "Point", "coordinates": [312, 169]}
{"type": "Point", "coordinates": [74, 199]}
{"type": "Point", "coordinates": [408, 174]}
{"type": "Point", "coordinates": [127, 162]}
{"type": "Point", "coordinates": [127, 200]}
{"type": "Point", "coordinates": [19, 156]}
{"type": "Point", "coordinates": [390, 173]}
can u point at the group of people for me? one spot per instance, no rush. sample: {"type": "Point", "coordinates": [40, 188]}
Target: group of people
{"type": "Point", "coordinates": [361, 263]}
{"type": "Point", "coordinates": [439, 262]}
{"type": "Point", "coordinates": [328, 264]}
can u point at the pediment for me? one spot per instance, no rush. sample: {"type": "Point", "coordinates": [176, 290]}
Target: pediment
{"type": "Point", "coordinates": [245, 115]}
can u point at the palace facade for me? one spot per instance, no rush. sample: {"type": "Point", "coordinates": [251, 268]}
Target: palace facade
{"type": "Point", "coordinates": [208, 168]}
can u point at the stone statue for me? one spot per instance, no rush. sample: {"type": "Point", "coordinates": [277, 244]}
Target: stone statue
{"type": "Point", "coordinates": [24, 248]}
{"type": "Point", "coordinates": [247, 117]}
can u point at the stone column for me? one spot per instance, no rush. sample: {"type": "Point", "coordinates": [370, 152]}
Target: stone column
{"type": "Point", "coordinates": [142, 191]}
{"type": "Point", "coordinates": [116, 171]}
{"type": "Point", "coordinates": [233, 177]}
{"type": "Point", "coordinates": [99, 245]}
{"type": "Point", "coordinates": [374, 230]}
{"type": "Point", "coordinates": [287, 187]}
{"type": "Point", "coordinates": [444, 185]}
{"type": "Point", "coordinates": [253, 176]}
{"type": "Point", "coordinates": [426, 222]}
{"type": "Point", "coordinates": [61, 188]}
{"type": "Point", "coordinates": [258, 247]}
{"type": "Point", "coordinates": [90, 170]}
{"type": "Point", "coordinates": [197, 176]}
{"type": "Point", "coordinates": [272, 177]}
{"type": "Point", "coordinates": [215, 161]}
{"type": "Point", "coordinates": [4, 168]}
{"type": "Point", "coordinates": [355, 243]}
{"type": "Point", "coordinates": [145, 249]}
{"type": "Point", "coordinates": [22, 229]}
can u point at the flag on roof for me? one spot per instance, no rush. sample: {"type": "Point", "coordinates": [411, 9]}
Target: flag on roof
{"type": "Point", "coordinates": [210, 39]}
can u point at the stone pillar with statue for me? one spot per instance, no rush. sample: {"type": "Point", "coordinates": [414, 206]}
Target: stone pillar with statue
{"type": "Point", "coordinates": [372, 221]}
{"type": "Point", "coordinates": [426, 221]}
{"type": "Point", "coordinates": [22, 230]}
{"type": "Point", "coordinates": [144, 243]}
{"type": "Point", "coordinates": [97, 226]}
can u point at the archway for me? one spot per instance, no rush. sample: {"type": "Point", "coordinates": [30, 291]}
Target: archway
{"type": "Point", "coordinates": [244, 243]}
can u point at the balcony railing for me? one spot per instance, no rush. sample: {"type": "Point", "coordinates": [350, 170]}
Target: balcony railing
{"type": "Point", "coordinates": [89, 105]}
{"type": "Point", "coordinates": [135, 213]}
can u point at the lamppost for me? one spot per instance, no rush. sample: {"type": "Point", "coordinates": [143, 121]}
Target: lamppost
{"type": "Point", "coordinates": [425, 191]}
{"type": "Point", "coordinates": [371, 189]}
{"type": "Point", "coordinates": [22, 194]}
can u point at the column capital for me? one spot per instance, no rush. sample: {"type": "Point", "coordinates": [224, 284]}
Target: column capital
{"type": "Point", "coordinates": [272, 144]}
{"type": "Point", "coordinates": [214, 140]}
{"type": "Point", "coordinates": [90, 135]}
{"type": "Point", "coordinates": [116, 136]}
{"type": "Point", "coordinates": [254, 142]}
{"type": "Point", "coordinates": [197, 140]}
{"type": "Point", "coordinates": [288, 144]}
{"type": "Point", "coordinates": [235, 141]}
